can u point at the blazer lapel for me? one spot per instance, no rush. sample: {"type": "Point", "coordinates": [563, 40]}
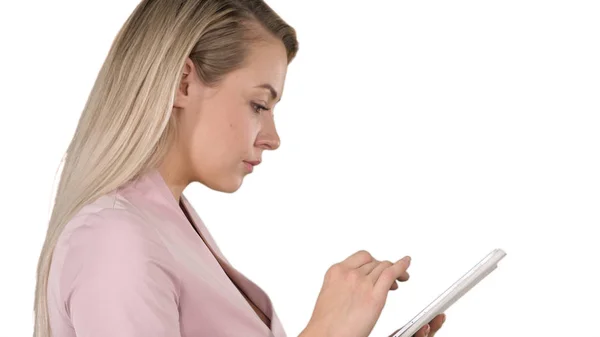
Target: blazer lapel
{"type": "Point", "coordinates": [253, 291]}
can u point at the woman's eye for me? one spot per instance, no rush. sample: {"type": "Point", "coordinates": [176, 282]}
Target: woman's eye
{"type": "Point", "coordinates": [257, 108]}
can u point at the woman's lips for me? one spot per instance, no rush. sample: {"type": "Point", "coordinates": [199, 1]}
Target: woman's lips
{"type": "Point", "coordinates": [250, 164]}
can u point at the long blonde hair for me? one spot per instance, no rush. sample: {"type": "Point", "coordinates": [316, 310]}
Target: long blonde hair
{"type": "Point", "coordinates": [126, 126]}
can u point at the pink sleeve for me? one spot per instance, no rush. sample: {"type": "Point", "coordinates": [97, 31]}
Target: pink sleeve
{"type": "Point", "coordinates": [118, 279]}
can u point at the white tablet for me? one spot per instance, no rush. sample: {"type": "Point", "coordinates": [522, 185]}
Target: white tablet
{"type": "Point", "coordinates": [452, 294]}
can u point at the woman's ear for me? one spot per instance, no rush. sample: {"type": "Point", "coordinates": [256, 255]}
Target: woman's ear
{"type": "Point", "coordinates": [182, 93]}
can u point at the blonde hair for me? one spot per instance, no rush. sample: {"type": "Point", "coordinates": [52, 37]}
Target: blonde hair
{"type": "Point", "coordinates": [126, 125]}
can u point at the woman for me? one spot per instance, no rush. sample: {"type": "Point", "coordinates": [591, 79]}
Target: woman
{"type": "Point", "coordinates": [186, 94]}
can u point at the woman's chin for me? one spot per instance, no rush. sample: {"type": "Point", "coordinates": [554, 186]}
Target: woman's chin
{"type": "Point", "coordinates": [227, 186]}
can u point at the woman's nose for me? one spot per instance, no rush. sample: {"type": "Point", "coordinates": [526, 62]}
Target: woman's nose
{"type": "Point", "coordinates": [268, 138]}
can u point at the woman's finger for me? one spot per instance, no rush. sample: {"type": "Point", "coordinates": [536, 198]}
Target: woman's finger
{"type": "Point", "coordinates": [436, 324]}
{"type": "Point", "coordinates": [404, 277]}
{"type": "Point", "coordinates": [366, 269]}
{"type": "Point", "coordinates": [358, 259]}
{"type": "Point", "coordinates": [389, 275]}
{"type": "Point", "coordinates": [424, 331]}
{"type": "Point", "coordinates": [378, 270]}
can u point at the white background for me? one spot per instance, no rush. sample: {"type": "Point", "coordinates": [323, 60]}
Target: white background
{"type": "Point", "coordinates": [438, 129]}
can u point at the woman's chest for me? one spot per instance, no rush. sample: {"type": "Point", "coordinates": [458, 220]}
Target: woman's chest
{"type": "Point", "coordinates": [217, 300]}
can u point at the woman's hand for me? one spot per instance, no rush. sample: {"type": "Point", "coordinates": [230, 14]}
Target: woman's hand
{"type": "Point", "coordinates": [353, 295]}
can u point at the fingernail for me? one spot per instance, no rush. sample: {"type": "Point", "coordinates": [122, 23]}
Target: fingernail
{"type": "Point", "coordinates": [443, 319]}
{"type": "Point", "coordinates": [427, 329]}
{"type": "Point", "coordinates": [406, 259]}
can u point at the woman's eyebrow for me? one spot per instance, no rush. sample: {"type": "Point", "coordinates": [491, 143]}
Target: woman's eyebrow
{"type": "Point", "coordinates": [269, 87]}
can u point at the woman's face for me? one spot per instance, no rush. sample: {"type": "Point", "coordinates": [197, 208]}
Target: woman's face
{"type": "Point", "coordinates": [224, 130]}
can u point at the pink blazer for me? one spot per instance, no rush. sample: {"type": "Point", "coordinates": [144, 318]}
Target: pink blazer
{"type": "Point", "coordinates": [131, 265]}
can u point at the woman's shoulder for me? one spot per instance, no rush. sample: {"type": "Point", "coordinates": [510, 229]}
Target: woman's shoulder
{"type": "Point", "coordinates": [108, 230]}
{"type": "Point", "coordinates": [103, 234]}
{"type": "Point", "coordinates": [106, 252]}
{"type": "Point", "coordinates": [104, 218]}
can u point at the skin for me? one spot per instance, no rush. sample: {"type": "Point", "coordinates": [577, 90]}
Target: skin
{"type": "Point", "coordinates": [224, 130]}
{"type": "Point", "coordinates": [429, 330]}
{"type": "Point", "coordinates": [223, 127]}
